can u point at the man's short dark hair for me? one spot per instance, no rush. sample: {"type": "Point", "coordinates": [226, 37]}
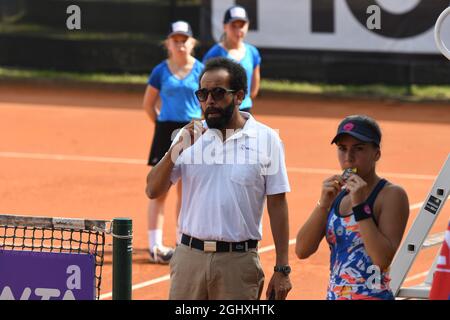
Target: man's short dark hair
{"type": "Point", "coordinates": [238, 77]}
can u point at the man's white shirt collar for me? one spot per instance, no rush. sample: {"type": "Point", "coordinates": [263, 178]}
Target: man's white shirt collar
{"type": "Point", "coordinates": [249, 129]}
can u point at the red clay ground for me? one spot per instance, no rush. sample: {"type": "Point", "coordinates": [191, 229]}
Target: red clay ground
{"type": "Point", "coordinates": [37, 123]}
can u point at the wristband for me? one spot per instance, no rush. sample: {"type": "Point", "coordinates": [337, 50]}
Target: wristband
{"type": "Point", "coordinates": [362, 211]}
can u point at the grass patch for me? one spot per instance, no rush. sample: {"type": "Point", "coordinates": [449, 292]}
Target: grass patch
{"type": "Point", "coordinates": [372, 90]}
{"type": "Point", "coordinates": [437, 92]}
{"type": "Point", "coordinates": [22, 28]}
{"type": "Point", "coordinates": [379, 91]}
{"type": "Point", "coordinates": [410, 93]}
{"type": "Point", "coordinates": [10, 73]}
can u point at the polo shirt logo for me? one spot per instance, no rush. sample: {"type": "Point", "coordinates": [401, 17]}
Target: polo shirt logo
{"type": "Point", "coordinates": [244, 147]}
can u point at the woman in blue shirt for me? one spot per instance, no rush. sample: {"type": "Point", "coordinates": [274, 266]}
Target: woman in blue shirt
{"type": "Point", "coordinates": [172, 82]}
{"type": "Point", "coordinates": [233, 47]}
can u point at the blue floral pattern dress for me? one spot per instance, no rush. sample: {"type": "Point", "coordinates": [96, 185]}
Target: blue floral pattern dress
{"type": "Point", "coordinates": [352, 272]}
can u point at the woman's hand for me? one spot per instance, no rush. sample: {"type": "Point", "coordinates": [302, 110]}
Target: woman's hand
{"type": "Point", "coordinates": [357, 188]}
{"type": "Point", "coordinates": [330, 189]}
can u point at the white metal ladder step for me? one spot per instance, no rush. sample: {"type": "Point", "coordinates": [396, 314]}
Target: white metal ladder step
{"type": "Point", "coordinates": [417, 238]}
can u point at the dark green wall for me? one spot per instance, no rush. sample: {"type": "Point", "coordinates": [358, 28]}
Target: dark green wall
{"type": "Point", "coordinates": [52, 49]}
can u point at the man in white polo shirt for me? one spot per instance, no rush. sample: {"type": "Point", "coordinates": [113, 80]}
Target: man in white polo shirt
{"type": "Point", "coordinates": [229, 165]}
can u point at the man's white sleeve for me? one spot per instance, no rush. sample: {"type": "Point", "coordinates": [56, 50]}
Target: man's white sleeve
{"type": "Point", "coordinates": [276, 173]}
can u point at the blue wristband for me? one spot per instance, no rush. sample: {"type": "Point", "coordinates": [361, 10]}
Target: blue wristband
{"type": "Point", "coordinates": [362, 211]}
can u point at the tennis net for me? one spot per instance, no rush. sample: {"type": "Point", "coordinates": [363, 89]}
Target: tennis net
{"type": "Point", "coordinates": [61, 235]}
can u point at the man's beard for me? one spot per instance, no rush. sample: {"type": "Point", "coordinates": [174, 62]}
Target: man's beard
{"type": "Point", "coordinates": [219, 122]}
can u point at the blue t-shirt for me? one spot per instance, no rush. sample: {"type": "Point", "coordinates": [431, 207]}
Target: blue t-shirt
{"type": "Point", "coordinates": [249, 62]}
{"type": "Point", "coordinates": [178, 101]}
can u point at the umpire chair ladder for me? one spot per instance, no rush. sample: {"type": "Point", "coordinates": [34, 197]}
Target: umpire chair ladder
{"type": "Point", "coordinates": [417, 240]}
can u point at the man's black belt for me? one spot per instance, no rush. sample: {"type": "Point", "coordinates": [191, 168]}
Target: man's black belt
{"type": "Point", "coordinates": [218, 246]}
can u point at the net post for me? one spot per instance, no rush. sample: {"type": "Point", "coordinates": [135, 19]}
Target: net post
{"type": "Point", "coordinates": [122, 251]}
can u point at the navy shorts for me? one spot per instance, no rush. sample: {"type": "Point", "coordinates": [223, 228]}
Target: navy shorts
{"type": "Point", "coordinates": [162, 139]}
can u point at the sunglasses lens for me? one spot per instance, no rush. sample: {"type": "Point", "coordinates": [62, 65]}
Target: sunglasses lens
{"type": "Point", "coordinates": [218, 93]}
{"type": "Point", "coordinates": [202, 94]}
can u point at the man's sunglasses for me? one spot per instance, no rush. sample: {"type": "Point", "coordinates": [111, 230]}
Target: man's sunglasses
{"type": "Point", "coordinates": [217, 93]}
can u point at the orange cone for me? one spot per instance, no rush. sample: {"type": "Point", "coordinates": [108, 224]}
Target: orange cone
{"type": "Point", "coordinates": [440, 288]}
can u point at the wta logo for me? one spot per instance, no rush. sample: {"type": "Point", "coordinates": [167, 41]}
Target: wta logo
{"type": "Point", "coordinates": [73, 282]}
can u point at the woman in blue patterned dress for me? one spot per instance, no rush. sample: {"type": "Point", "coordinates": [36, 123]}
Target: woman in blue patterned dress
{"type": "Point", "coordinates": [362, 216]}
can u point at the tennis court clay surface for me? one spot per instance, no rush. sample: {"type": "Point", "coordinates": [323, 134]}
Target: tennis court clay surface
{"type": "Point", "coordinates": [82, 153]}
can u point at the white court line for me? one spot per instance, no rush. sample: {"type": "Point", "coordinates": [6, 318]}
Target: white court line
{"type": "Point", "coordinates": [416, 206]}
{"type": "Point", "coordinates": [65, 157]}
{"type": "Point", "coordinates": [139, 285]}
{"type": "Point", "coordinates": [387, 174]}
{"type": "Point", "coordinates": [417, 276]}
{"type": "Point", "coordinates": [260, 250]}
